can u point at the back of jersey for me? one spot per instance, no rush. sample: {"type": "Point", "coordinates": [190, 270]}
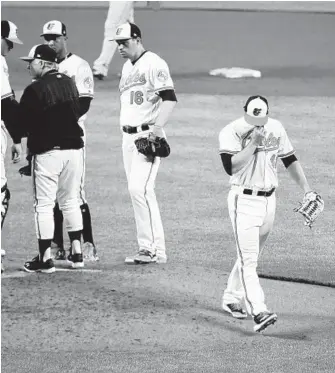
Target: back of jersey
{"type": "Point", "coordinates": [51, 111]}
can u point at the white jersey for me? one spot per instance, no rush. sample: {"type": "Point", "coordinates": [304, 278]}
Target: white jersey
{"type": "Point", "coordinates": [6, 90]}
{"type": "Point", "coordinates": [80, 71]}
{"type": "Point", "coordinates": [139, 87]}
{"type": "Point", "coordinates": [261, 171]}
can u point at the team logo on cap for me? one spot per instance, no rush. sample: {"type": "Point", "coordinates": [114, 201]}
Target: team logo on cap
{"type": "Point", "coordinates": [50, 26]}
{"type": "Point", "coordinates": [256, 112]}
{"type": "Point", "coordinates": [119, 30]}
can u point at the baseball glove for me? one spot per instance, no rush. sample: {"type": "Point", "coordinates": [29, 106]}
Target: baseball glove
{"type": "Point", "coordinates": [153, 146]}
{"type": "Point", "coordinates": [311, 207]}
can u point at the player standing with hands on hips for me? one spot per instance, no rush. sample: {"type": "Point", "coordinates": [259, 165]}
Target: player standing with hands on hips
{"type": "Point", "coordinates": [249, 148]}
{"type": "Point", "coordinates": [147, 100]}
{"type": "Point", "coordinates": [9, 116]}
{"type": "Point", "coordinates": [50, 110]}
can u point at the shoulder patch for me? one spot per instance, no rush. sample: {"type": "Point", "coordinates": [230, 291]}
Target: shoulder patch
{"type": "Point", "coordinates": [88, 83]}
{"type": "Point", "coordinates": [162, 75]}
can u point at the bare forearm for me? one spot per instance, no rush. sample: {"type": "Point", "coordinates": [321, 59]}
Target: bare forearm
{"type": "Point", "coordinates": [165, 113]}
{"type": "Point", "coordinates": [297, 174]}
{"type": "Point", "coordinates": [240, 159]}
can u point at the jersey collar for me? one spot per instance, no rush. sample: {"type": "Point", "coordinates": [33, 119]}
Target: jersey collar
{"type": "Point", "coordinates": [65, 58]}
{"type": "Point", "coordinates": [133, 62]}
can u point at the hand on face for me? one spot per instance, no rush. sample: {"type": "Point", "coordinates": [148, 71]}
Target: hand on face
{"type": "Point", "coordinates": [257, 136]}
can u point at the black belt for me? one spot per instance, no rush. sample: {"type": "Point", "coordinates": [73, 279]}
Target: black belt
{"type": "Point", "coordinates": [131, 129]}
{"type": "Point", "coordinates": [260, 193]}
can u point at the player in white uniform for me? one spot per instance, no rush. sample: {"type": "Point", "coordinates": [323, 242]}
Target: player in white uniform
{"type": "Point", "coordinates": [9, 115]}
{"type": "Point", "coordinates": [119, 12]}
{"type": "Point", "coordinates": [147, 101]}
{"type": "Point", "coordinates": [249, 148]}
{"type": "Point", "coordinates": [55, 35]}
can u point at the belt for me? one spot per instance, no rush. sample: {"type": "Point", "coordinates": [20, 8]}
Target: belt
{"type": "Point", "coordinates": [260, 193]}
{"type": "Point", "coordinates": [137, 129]}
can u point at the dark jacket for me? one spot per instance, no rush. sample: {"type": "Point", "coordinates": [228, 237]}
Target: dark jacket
{"type": "Point", "coordinates": [49, 110]}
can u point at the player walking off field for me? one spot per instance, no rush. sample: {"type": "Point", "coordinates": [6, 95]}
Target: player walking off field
{"type": "Point", "coordinates": [249, 148]}
{"type": "Point", "coordinates": [50, 110]}
{"type": "Point", "coordinates": [9, 116]}
{"type": "Point", "coordinates": [147, 100]}
{"type": "Point", "coordinates": [55, 35]}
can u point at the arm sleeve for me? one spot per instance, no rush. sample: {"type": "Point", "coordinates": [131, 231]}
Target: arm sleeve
{"type": "Point", "coordinates": [229, 141]}
{"type": "Point", "coordinates": [84, 80]}
{"type": "Point", "coordinates": [168, 95]}
{"type": "Point", "coordinates": [10, 114]}
{"type": "Point", "coordinates": [226, 162]}
{"type": "Point", "coordinates": [289, 160]}
{"type": "Point", "coordinates": [28, 110]}
{"type": "Point", "coordinates": [160, 76]}
{"type": "Point", "coordinates": [85, 103]}
{"type": "Point", "coordinates": [285, 147]}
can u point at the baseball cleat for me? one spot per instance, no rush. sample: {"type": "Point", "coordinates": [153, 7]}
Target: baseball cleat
{"type": "Point", "coordinates": [145, 257]}
{"type": "Point", "coordinates": [77, 261]}
{"type": "Point", "coordinates": [39, 266]}
{"type": "Point", "coordinates": [263, 320]}
{"type": "Point", "coordinates": [235, 310]}
{"type": "Point", "coordinates": [90, 253]}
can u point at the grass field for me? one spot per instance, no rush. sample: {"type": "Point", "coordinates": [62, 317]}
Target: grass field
{"type": "Point", "coordinates": [167, 318]}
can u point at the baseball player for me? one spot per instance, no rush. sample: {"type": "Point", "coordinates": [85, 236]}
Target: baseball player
{"type": "Point", "coordinates": [55, 35]}
{"type": "Point", "coordinates": [119, 12]}
{"type": "Point", "coordinates": [249, 148]}
{"type": "Point", "coordinates": [147, 100]}
{"type": "Point", "coordinates": [9, 116]}
{"type": "Point", "coordinates": [50, 110]}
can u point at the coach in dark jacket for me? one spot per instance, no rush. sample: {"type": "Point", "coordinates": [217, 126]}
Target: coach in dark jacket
{"type": "Point", "coordinates": [50, 111]}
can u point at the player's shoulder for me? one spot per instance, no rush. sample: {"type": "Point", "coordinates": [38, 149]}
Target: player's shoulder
{"type": "Point", "coordinates": [275, 124]}
{"type": "Point", "coordinates": [234, 126]}
{"type": "Point", "coordinates": [78, 61]}
{"type": "Point", "coordinates": [4, 64]}
{"type": "Point", "coordinates": [154, 58]}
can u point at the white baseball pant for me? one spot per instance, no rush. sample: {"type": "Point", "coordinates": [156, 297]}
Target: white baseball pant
{"type": "Point", "coordinates": [57, 175]}
{"type": "Point", "coordinates": [141, 175]}
{"type": "Point", "coordinates": [252, 218]}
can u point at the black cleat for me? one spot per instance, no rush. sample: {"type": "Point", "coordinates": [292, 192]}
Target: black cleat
{"type": "Point", "coordinates": [35, 265]}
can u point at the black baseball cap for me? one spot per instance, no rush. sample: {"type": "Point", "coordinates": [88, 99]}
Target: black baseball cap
{"type": "Point", "coordinates": [42, 52]}
{"type": "Point", "coordinates": [127, 31]}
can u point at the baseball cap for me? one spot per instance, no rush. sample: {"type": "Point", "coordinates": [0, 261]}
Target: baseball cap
{"type": "Point", "coordinates": [42, 52]}
{"type": "Point", "coordinates": [9, 32]}
{"type": "Point", "coordinates": [127, 31]}
{"type": "Point", "coordinates": [54, 28]}
{"type": "Point", "coordinates": [257, 107]}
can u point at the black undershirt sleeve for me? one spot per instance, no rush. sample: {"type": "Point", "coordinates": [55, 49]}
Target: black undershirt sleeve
{"type": "Point", "coordinates": [226, 161]}
{"type": "Point", "coordinates": [85, 103]}
{"type": "Point", "coordinates": [10, 114]}
{"type": "Point", "coordinates": [168, 95]}
{"type": "Point", "coordinates": [289, 160]}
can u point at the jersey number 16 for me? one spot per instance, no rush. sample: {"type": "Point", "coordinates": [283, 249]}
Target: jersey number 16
{"type": "Point", "coordinates": [136, 97]}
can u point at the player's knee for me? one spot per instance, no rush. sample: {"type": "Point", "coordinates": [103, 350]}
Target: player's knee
{"type": "Point", "coordinates": [69, 205]}
{"type": "Point", "coordinates": [135, 190]}
{"type": "Point", "coordinates": [44, 206]}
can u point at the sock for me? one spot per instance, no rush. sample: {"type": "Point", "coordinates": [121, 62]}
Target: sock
{"type": "Point", "coordinates": [44, 248]}
{"type": "Point", "coordinates": [87, 224]}
{"type": "Point", "coordinates": [58, 233]}
{"type": "Point", "coordinates": [75, 241]}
